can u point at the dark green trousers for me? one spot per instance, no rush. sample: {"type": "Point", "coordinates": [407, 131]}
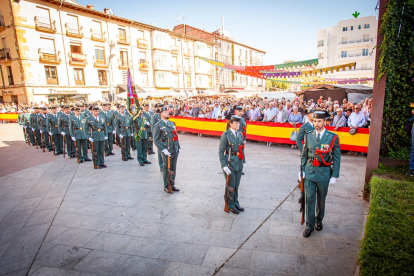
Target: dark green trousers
{"type": "Point", "coordinates": [235, 178]}
{"type": "Point", "coordinates": [31, 136]}
{"type": "Point", "coordinates": [174, 158]}
{"type": "Point", "coordinates": [82, 148]}
{"type": "Point", "coordinates": [142, 150]}
{"type": "Point", "coordinates": [38, 138]}
{"type": "Point", "coordinates": [70, 145]}
{"type": "Point", "coordinates": [127, 144]}
{"type": "Point", "coordinates": [58, 140]}
{"type": "Point", "coordinates": [133, 143]}
{"type": "Point", "coordinates": [100, 149]}
{"type": "Point", "coordinates": [315, 197]}
{"type": "Point", "coordinates": [109, 143]}
{"type": "Point", "coordinates": [47, 142]}
{"type": "Point", "coordinates": [150, 144]}
{"type": "Point", "coordinates": [160, 159]}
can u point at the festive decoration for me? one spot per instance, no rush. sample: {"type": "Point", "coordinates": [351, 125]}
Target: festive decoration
{"type": "Point", "coordinates": [132, 95]}
{"type": "Point", "coordinates": [303, 63]}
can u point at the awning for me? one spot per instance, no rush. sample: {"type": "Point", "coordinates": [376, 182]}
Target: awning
{"type": "Point", "coordinates": [79, 96]}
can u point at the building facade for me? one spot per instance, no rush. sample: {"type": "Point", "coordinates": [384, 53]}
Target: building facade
{"type": "Point", "coordinates": [58, 51]}
{"type": "Point", "coordinates": [351, 40]}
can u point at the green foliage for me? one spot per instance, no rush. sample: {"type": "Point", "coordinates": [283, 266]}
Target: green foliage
{"type": "Point", "coordinates": [275, 84]}
{"type": "Point", "coordinates": [397, 62]}
{"type": "Point", "coordinates": [356, 14]}
{"type": "Point", "coordinates": [388, 244]}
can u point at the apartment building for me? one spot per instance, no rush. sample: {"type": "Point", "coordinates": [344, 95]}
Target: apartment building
{"type": "Point", "coordinates": [352, 40]}
{"type": "Point", "coordinates": [52, 50]}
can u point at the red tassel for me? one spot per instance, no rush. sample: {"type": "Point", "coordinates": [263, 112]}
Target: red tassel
{"type": "Point", "coordinates": [241, 156]}
{"type": "Point", "coordinates": [175, 135]}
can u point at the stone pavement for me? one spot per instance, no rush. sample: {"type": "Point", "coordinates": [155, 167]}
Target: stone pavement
{"type": "Point", "coordinates": [64, 218]}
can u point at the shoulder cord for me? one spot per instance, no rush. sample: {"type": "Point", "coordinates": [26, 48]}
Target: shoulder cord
{"type": "Point", "coordinates": [322, 153]}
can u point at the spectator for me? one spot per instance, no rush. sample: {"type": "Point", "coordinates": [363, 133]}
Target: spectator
{"type": "Point", "coordinates": [348, 113]}
{"type": "Point", "coordinates": [255, 113]}
{"type": "Point", "coordinates": [208, 114]}
{"type": "Point", "coordinates": [220, 114]}
{"type": "Point", "coordinates": [288, 108]}
{"type": "Point", "coordinates": [339, 119]}
{"type": "Point", "coordinates": [281, 115]}
{"type": "Point", "coordinates": [357, 118]}
{"type": "Point", "coordinates": [295, 117]}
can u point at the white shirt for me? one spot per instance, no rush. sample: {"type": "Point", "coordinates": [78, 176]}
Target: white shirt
{"type": "Point", "coordinates": [234, 132]}
{"type": "Point", "coordinates": [321, 134]}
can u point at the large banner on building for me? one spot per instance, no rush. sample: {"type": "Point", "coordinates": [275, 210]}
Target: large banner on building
{"type": "Point", "coordinates": [271, 132]}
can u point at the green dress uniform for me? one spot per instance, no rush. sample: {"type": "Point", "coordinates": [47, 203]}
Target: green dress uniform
{"type": "Point", "coordinates": [63, 126]}
{"type": "Point", "coordinates": [110, 120]}
{"type": "Point", "coordinates": [154, 120]}
{"type": "Point", "coordinates": [28, 128]}
{"type": "Point", "coordinates": [76, 131]}
{"type": "Point", "coordinates": [148, 117]}
{"type": "Point", "coordinates": [165, 133]}
{"type": "Point", "coordinates": [20, 121]}
{"type": "Point", "coordinates": [124, 128]}
{"type": "Point", "coordinates": [243, 127]}
{"type": "Point", "coordinates": [318, 172]}
{"type": "Point", "coordinates": [305, 128]}
{"type": "Point", "coordinates": [52, 127]}
{"type": "Point", "coordinates": [235, 141]}
{"type": "Point", "coordinates": [143, 141]}
{"type": "Point", "coordinates": [95, 128]}
{"type": "Point", "coordinates": [43, 125]}
{"type": "Point", "coordinates": [34, 125]}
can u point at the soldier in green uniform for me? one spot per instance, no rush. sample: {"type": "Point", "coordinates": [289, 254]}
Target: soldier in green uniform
{"type": "Point", "coordinates": [243, 124]}
{"type": "Point", "coordinates": [20, 121]}
{"type": "Point", "coordinates": [95, 130]}
{"type": "Point", "coordinates": [77, 134]}
{"type": "Point", "coordinates": [34, 125]}
{"type": "Point", "coordinates": [63, 126]}
{"type": "Point", "coordinates": [53, 129]}
{"type": "Point", "coordinates": [141, 131]}
{"type": "Point", "coordinates": [26, 122]}
{"type": "Point", "coordinates": [321, 161]}
{"type": "Point", "coordinates": [154, 120]}
{"type": "Point", "coordinates": [148, 114]}
{"type": "Point", "coordinates": [43, 117]}
{"type": "Point", "coordinates": [306, 127]}
{"type": "Point", "coordinates": [109, 118]}
{"type": "Point", "coordinates": [124, 131]}
{"type": "Point", "coordinates": [166, 140]}
{"type": "Point", "coordinates": [233, 139]}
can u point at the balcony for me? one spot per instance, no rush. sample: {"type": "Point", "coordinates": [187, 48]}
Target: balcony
{"type": "Point", "coordinates": [79, 82]}
{"type": "Point", "coordinates": [240, 58]}
{"type": "Point", "coordinates": [45, 24]}
{"type": "Point", "coordinates": [2, 25]}
{"type": "Point", "coordinates": [49, 56]}
{"type": "Point", "coordinates": [103, 81]}
{"type": "Point", "coordinates": [142, 43]}
{"type": "Point", "coordinates": [356, 43]}
{"type": "Point", "coordinates": [356, 56]}
{"type": "Point", "coordinates": [77, 59]}
{"type": "Point", "coordinates": [51, 80]}
{"type": "Point", "coordinates": [188, 70]}
{"type": "Point", "coordinates": [122, 39]}
{"type": "Point", "coordinates": [187, 52]}
{"type": "Point", "coordinates": [161, 66]}
{"type": "Point", "coordinates": [97, 35]}
{"type": "Point", "coordinates": [5, 54]}
{"type": "Point", "coordinates": [175, 50]}
{"type": "Point", "coordinates": [144, 66]}
{"type": "Point", "coordinates": [176, 69]}
{"type": "Point", "coordinates": [123, 64]}
{"type": "Point", "coordinates": [74, 30]}
{"type": "Point", "coordinates": [102, 63]}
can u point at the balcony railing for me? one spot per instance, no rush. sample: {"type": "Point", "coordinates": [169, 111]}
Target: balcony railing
{"type": "Point", "coordinates": [142, 43]}
{"type": "Point", "coordinates": [356, 41]}
{"type": "Point", "coordinates": [97, 35]}
{"type": "Point", "coordinates": [100, 62]}
{"type": "Point", "coordinates": [354, 55]}
{"type": "Point", "coordinates": [2, 25]}
{"type": "Point", "coordinates": [188, 70]}
{"type": "Point", "coordinates": [74, 30]}
{"type": "Point", "coordinates": [49, 56]}
{"type": "Point", "coordinates": [123, 64]}
{"type": "Point", "coordinates": [5, 54]}
{"type": "Point", "coordinates": [144, 66]}
{"type": "Point", "coordinates": [176, 69]}
{"type": "Point", "coordinates": [103, 81]}
{"type": "Point", "coordinates": [161, 66]}
{"type": "Point", "coordinates": [45, 24]}
{"type": "Point", "coordinates": [80, 82]}
{"type": "Point", "coordinates": [77, 59]}
{"type": "Point", "coordinates": [51, 80]}
{"type": "Point", "coordinates": [187, 52]}
{"type": "Point", "coordinates": [122, 39]}
{"type": "Point", "coordinates": [175, 50]}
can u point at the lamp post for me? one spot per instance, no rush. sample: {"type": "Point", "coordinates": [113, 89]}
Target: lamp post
{"type": "Point", "coordinates": [111, 56]}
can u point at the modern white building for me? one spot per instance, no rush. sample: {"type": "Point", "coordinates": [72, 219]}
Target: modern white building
{"type": "Point", "coordinates": [352, 40]}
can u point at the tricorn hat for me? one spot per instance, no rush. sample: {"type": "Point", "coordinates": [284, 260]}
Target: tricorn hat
{"type": "Point", "coordinates": [321, 115]}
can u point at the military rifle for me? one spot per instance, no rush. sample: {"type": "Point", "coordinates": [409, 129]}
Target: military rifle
{"type": "Point", "coordinates": [170, 176]}
{"type": "Point", "coordinates": [122, 149]}
{"type": "Point", "coordinates": [64, 144]}
{"type": "Point", "coordinates": [77, 150]}
{"type": "Point", "coordinates": [94, 155]}
{"type": "Point", "coordinates": [228, 188]}
{"type": "Point", "coordinates": [26, 136]}
{"type": "Point", "coordinates": [43, 141]}
{"type": "Point", "coordinates": [35, 139]}
{"type": "Point", "coordinates": [302, 188]}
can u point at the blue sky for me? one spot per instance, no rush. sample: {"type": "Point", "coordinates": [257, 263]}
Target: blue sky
{"type": "Point", "coordinates": [286, 30]}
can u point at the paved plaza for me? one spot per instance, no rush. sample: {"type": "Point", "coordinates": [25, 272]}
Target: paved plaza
{"type": "Point", "coordinates": [58, 217]}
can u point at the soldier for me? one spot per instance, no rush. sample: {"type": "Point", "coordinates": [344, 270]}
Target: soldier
{"type": "Point", "coordinates": [321, 160]}
{"type": "Point", "coordinates": [141, 129]}
{"type": "Point", "coordinates": [20, 121]}
{"type": "Point", "coordinates": [109, 119]}
{"type": "Point", "coordinates": [95, 130]}
{"type": "Point", "coordinates": [124, 131]}
{"type": "Point", "coordinates": [34, 125]}
{"type": "Point", "coordinates": [53, 129]}
{"type": "Point", "coordinates": [43, 117]}
{"type": "Point", "coordinates": [77, 134]}
{"type": "Point", "coordinates": [26, 122]}
{"type": "Point", "coordinates": [63, 127]}
{"type": "Point", "coordinates": [154, 120]}
{"type": "Point", "coordinates": [233, 138]}
{"type": "Point", "coordinates": [243, 124]}
{"type": "Point", "coordinates": [148, 114]}
{"type": "Point", "coordinates": [306, 127]}
{"type": "Point", "coordinates": [166, 140]}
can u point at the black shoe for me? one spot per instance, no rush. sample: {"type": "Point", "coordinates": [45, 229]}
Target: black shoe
{"type": "Point", "coordinates": [166, 190]}
{"type": "Point", "coordinates": [318, 226]}
{"type": "Point", "coordinates": [87, 159]}
{"type": "Point", "coordinates": [111, 153]}
{"type": "Point", "coordinates": [141, 164]}
{"type": "Point", "coordinates": [81, 161]}
{"type": "Point", "coordinates": [130, 158]}
{"type": "Point", "coordinates": [234, 211]}
{"type": "Point", "coordinates": [99, 167]}
{"type": "Point", "coordinates": [50, 150]}
{"type": "Point", "coordinates": [307, 233]}
{"type": "Point", "coordinates": [242, 173]}
{"type": "Point", "coordinates": [126, 159]}
{"type": "Point", "coordinates": [410, 173]}
{"type": "Point", "coordinates": [152, 152]}
{"type": "Point", "coordinates": [104, 166]}
{"type": "Point", "coordinates": [175, 189]}
{"type": "Point", "coordinates": [147, 162]}
{"type": "Point", "coordinates": [241, 209]}
{"type": "Point", "coordinates": [70, 156]}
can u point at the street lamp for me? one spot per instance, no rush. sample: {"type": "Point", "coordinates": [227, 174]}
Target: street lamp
{"type": "Point", "coordinates": [111, 56]}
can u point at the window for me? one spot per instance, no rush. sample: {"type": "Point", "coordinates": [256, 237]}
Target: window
{"type": "Point", "coordinates": [51, 75]}
{"type": "Point", "coordinates": [366, 26]}
{"type": "Point", "coordinates": [320, 56]}
{"type": "Point", "coordinates": [359, 27]}
{"type": "Point", "coordinates": [10, 75]}
{"type": "Point", "coordinates": [345, 29]}
{"type": "Point", "coordinates": [100, 55]}
{"type": "Point", "coordinates": [174, 63]}
{"type": "Point", "coordinates": [176, 81]}
{"type": "Point", "coordinates": [96, 29]}
{"type": "Point", "coordinates": [79, 77]}
{"type": "Point", "coordinates": [344, 54]}
{"type": "Point", "coordinates": [210, 82]}
{"type": "Point", "coordinates": [161, 40]}
{"type": "Point", "coordinates": [352, 28]}
{"type": "Point", "coordinates": [188, 81]}
{"type": "Point", "coordinates": [103, 80]}
{"type": "Point", "coordinates": [144, 79]}
{"type": "Point", "coordinates": [142, 57]}
{"type": "Point", "coordinates": [320, 43]}
{"type": "Point", "coordinates": [122, 34]}
{"type": "Point", "coordinates": [123, 58]}
{"type": "Point", "coordinates": [48, 50]}
{"type": "Point", "coordinates": [163, 79]}
{"type": "Point", "coordinates": [43, 17]}
{"type": "Point", "coordinates": [140, 34]}
{"type": "Point", "coordinates": [365, 52]}
{"type": "Point", "coordinates": [73, 24]}
{"type": "Point", "coordinates": [366, 37]}
{"type": "Point", "coordinates": [161, 60]}
{"type": "Point", "coordinates": [344, 40]}
{"type": "Point", "coordinates": [77, 49]}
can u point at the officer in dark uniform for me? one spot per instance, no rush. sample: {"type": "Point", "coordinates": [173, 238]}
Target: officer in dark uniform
{"type": "Point", "coordinates": [43, 117]}
{"type": "Point", "coordinates": [125, 131]}
{"type": "Point", "coordinates": [95, 130]}
{"type": "Point", "coordinates": [306, 127]}
{"type": "Point", "coordinates": [63, 126]}
{"type": "Point", "coordinates": [109, 118]}
{"type": "Point", "coordinates": [34, 125]}
{"type": "Point", "coordinates": [77, 134]}
{"type": "Point", "coordinates": [148, 114]}
{"type": "Point", "coordinates": [29, 130]}
{"type": "Point", "coordinates": [154, 120]}
{"type": "Point", "coordinates": [141, 136]}
{"type": "Point", "coordinates": [52, 127]}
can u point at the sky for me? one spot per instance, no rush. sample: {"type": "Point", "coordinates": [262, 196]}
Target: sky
{"type": "Point", "coordinates": [285, 30]}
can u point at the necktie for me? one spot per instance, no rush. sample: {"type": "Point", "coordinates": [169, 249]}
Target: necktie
{"type": "Point", "coordinates": [318, 138]}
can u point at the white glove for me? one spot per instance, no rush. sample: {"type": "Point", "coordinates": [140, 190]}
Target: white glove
{"type": "Point", "coordinates": [166, 152]}
{"type": "Point", "coordinates": [33, 129]}
{"type": "Point", "coordinates": [303, 175]}
{"type": "Point", "coordinates": [63, 134]}
{"type": "Point", "coordinates": [50, 133]}
{"type": "Point", "coordinates": [332, 180]}
{"type": "Point", "coordinates": [244, 166]}
{"type": "Point", "coordinates": [113, 132]}
{"type": "Point", "coordinates": [179, 151]}
{"type": "Point", "coordinates": [132, 134]}
{"type": "Point", "coordinates": [106, 138]}
{"type": "Point", "coordinates": [227, 170]}
{"type": "Point", "coordinates": [121, 136]}
{"type": "Point", "coordinates": [41, 131]}
{"type": "Point", "coordinates": [73, 138]}
{"type": "Point", "coordinates": [90, 139]}
{"type": "Point", "coordinates": [147, 123]}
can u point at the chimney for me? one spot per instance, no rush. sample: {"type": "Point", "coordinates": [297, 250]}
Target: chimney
{"type": "Point", "coordinates": [222, 25]}
{"type": "Point", "coordinates": [89, 6]}
{"type": "Point", "coordinates": [106, 11]}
